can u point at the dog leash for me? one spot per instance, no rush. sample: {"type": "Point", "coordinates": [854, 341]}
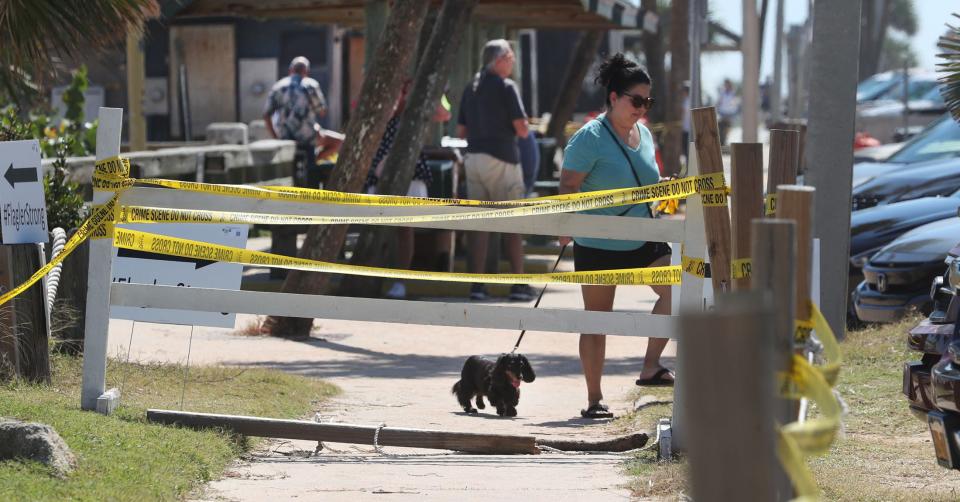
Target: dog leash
{"type": "Point", "coordinates": [540, 297]}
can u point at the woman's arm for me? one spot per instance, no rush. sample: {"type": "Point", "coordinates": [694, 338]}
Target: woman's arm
{"type": "Point", "coordinates": [570, 182]}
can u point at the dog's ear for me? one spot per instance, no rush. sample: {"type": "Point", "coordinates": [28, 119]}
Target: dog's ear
{"type": "Point", "coordinates": [528, 374]}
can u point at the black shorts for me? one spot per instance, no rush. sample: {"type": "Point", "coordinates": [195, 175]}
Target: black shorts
{"type": "Point", "coordinates": [587, 258]}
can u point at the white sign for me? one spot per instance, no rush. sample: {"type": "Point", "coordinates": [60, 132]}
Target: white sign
{"type": "Point", "coordinates": [140, 267]}
{"type": "Point", "coordinates": [23, 208]}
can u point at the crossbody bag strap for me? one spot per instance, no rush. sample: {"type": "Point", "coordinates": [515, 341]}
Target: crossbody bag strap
{"type": "Point", "coordinates": [633, 170]}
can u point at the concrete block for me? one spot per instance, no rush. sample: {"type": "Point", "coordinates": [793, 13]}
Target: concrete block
{"type": "Point", "coordinates": [227, 133]}
{"type": "Point", "coordinates": [108, 401]}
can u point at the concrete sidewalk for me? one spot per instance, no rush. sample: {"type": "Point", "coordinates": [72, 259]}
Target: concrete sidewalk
{"type": "Point", "coordinates": [401, 375]}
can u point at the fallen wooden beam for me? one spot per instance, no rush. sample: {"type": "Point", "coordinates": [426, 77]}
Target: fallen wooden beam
{"type": "Point", "coordinates": [617, 444]}
{"type": "Point", "coordinates": [356, 434]}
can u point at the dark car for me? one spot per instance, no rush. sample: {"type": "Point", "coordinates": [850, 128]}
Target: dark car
{"type": "Point", "coordinates": [875, 227]}
{"type": "Point", "coordinates": [897, 278]}
{"type": "Point", "coordinates": [932, 384]}
{"type": "Point", "coordinates": [941, 140]}
{"type": "Point", "coordinates": [933, 179]}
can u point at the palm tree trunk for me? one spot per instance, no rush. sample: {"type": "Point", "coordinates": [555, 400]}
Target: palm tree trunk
{"type": "Point", "coordinates": [384, 76]}
{"type": "Point", "coordinates": [583, 55]}
{"type": "Point", "coordinates": [435, 66]}
{"type": "Point", "coordinates": [653, 50]}
{"type": "Point", "coordinates": [679, 71]}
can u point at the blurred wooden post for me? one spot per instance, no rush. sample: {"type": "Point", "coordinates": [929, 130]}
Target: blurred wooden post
{"type": "Point", "coordinates": [9, 341]}
{"type": "Point", "coordinates": [137, 126]}
{"type": "Point", "coordinates": [795, 203]}
{"type": "Point", "coordinates": [730, 428]}
{"type": "Point", "coordinates": [774, 251]}
{"type": "Point", "coordinates": [716, 219]}
{"type": "Point", "coordinates": [784, 163]}
{"type": "Point", "coordinates": [747, 173]}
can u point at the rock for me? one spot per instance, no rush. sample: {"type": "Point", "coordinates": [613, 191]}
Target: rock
{"type": "Point", "coordinates": [33, 441]}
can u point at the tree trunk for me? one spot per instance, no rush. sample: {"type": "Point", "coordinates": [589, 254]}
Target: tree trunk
{"type": "Point", "coordinates": [432, 72]}
{"type": "Point", "coordinates": [385, 75]}
{"type": "Point", "coordinates": [653, 50]}
{"type": "Point", "coordinates": [583, 56]}
{"type": "Point", "coordinates": [679, 71]}
{"type": "Point", "coordinates": [875, 19]}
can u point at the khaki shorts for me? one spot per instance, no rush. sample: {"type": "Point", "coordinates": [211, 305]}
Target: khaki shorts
{"type": "Point", "coordinates": [489, 178]}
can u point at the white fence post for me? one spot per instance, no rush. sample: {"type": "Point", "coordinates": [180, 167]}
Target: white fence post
{"type": "Point", "coordinates": [98, 276]}
{"type": "Point", "coordinates": [691, 293]}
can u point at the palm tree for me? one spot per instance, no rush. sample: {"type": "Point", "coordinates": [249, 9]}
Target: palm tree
{"type": "Point", "coordinates": [950, 44]}
{"type": "Point", "coordinates": [32, 32]}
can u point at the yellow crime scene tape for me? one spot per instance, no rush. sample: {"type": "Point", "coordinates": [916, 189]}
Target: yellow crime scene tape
{"type": "Point", "coordinates": [814, 436]}
{"type": "Point", "coordinates": [113, 174]}
{"type": "Point", "coordinates": [741, 268]}
{"type": "Point", "coordinates": [153, 243]}
{"type": "Point", "coordinates": [770, 204]}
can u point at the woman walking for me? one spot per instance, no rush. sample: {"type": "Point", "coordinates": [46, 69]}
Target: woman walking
{"type": "Point", "coordinates": [616, 151]}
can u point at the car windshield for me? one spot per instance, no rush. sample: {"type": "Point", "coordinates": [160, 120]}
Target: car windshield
{"type": "Point", "coordinates": [916, 89]}
{"type": "Point", "coordinates": [940, 140]}
{"type": "Point", "coordinates": [874, 86]}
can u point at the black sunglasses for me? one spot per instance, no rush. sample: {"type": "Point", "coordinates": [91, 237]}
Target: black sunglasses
{"type": "Point", "coordinates": [639, 101]}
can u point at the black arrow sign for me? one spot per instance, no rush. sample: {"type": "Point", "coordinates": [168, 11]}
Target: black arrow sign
{"type": "Point", "coordinates": [146, 255]}
{"type": "Point", "coordinates": [20, 175]}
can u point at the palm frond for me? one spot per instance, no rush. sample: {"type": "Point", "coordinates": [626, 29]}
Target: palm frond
{"type": "Point", "coordinates": [33, 31]}
{"type": "Point", "coordinates": [950, 67]}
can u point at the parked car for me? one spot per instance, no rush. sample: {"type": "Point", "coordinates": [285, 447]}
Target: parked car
{"type": "Point", "coordinates": [873, 228]}
{"type": "Point", "coordinates": [930, 179]}
{"type": "Point", "coordinates": [940, 140]}
{"type": "Point", "coordinates": [885, 118]}
{"type": "Point", "coordinates": [880, 85]}
{"type": "Point", "coordinates": [932, 384]}
{"type": "Point", "coordinates": [897, 278]}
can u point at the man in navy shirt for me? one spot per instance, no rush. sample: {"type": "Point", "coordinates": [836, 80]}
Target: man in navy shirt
{"type": "Point", "coordinates": [491, 119]}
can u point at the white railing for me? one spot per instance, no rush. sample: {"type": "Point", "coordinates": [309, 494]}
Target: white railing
{"type": "Point", "coordinates": [102, 294]}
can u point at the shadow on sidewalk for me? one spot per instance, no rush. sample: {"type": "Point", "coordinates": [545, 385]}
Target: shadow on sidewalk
{"type": "Point", "coordinates": [374, 364]}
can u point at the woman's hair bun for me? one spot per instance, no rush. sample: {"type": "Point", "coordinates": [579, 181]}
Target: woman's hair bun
{"type": "Point", "coordinates": [613, 68]}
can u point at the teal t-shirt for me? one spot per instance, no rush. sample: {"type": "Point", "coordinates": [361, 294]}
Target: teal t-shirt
{"type": "Point", "coordinates": [593, 150]}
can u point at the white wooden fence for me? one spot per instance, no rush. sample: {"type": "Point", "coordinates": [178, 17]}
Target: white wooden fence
{"type": "Point", "coordinates": [102, 294]}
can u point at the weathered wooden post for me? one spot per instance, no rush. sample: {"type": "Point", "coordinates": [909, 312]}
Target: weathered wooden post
{"type": "Point", "coordinates": [24, 321]}
{"type": "Point", "coordinates": [97, 322]}
{"type": "Point", "coordinates": [783, 164]}
{"type": "Point", "coordinates": [747, 194]}
{"type": "Point", "coordinates": [774, 253]}
{"type": "Point", "coordinates": [796, 203]}
{"type": "Point", "coordinates": [730, 419]}
{"type": "Point", "coordinates": [716, 218]}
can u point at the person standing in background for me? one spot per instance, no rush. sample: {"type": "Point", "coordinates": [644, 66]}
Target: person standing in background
{"type": "Point", "coordinates": [293, 111]}
{"type": "Point", "coordinates": [491, 119]}
{"type": "Point", "coordinates": [728, 107]}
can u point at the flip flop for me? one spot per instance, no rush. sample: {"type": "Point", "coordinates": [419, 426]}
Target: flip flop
{"type": "Point", "coordinates": [597, 411]}
{"type": "Point", "coordinates": [657, 379]}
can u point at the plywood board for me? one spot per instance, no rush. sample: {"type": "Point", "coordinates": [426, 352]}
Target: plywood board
{"type": "Point", "coordinates": [209, 54]}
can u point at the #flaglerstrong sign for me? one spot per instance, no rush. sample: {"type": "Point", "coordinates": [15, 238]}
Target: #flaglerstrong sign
{"type": "Point", "coordinates": [23, 209]}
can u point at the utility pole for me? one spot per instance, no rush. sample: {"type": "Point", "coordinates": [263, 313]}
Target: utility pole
{"type": "Point", "coordinates": [829, 157]}
{"type": "Point", "coordinates": [775, 93]}
{"type": "Point", "coordinates": [750, 86]}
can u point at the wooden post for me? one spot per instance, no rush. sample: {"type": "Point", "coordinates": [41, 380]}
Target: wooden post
{"type": "Point", "coordinates": [97, 322]}
{"type": "Point", "coordinates": [137, 130]}
{"type": "Point", "coordinates": [716, 219]}
{"type": "Point", "coordinates": [730, 419]}
{"type": "Point", "coordinates": [774, 251]}
{"type": "Point", "coordinates": [345, 433]}
{"type": "Point", "coordinates": [795, 203]}
{"type": "Point", "coordinates": [747, 173]}
{"type": "Point", "coordinates": [750, 48]}
{"type": "Point", "coordinates": [32, 327]}
{"type": "Point", "coordinates": [9, 341]}
{"type": "Point", "coordinates": [784, 159]}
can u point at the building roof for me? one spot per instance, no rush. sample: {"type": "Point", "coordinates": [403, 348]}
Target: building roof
{"type": "Point", "coordinates": [570, 14]}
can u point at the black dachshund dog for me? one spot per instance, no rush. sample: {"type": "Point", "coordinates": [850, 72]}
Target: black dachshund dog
{"type": "Point", "coordinates": [499, 381]}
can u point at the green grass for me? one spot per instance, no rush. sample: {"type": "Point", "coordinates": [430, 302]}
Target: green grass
{"type": "Point", "coordinates": [884, 453]}
{"type": "Point", "coordinates": [122, 457]}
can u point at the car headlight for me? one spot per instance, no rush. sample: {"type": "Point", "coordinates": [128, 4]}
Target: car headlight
{"type": "Point", "coordinates": [861, 259]}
